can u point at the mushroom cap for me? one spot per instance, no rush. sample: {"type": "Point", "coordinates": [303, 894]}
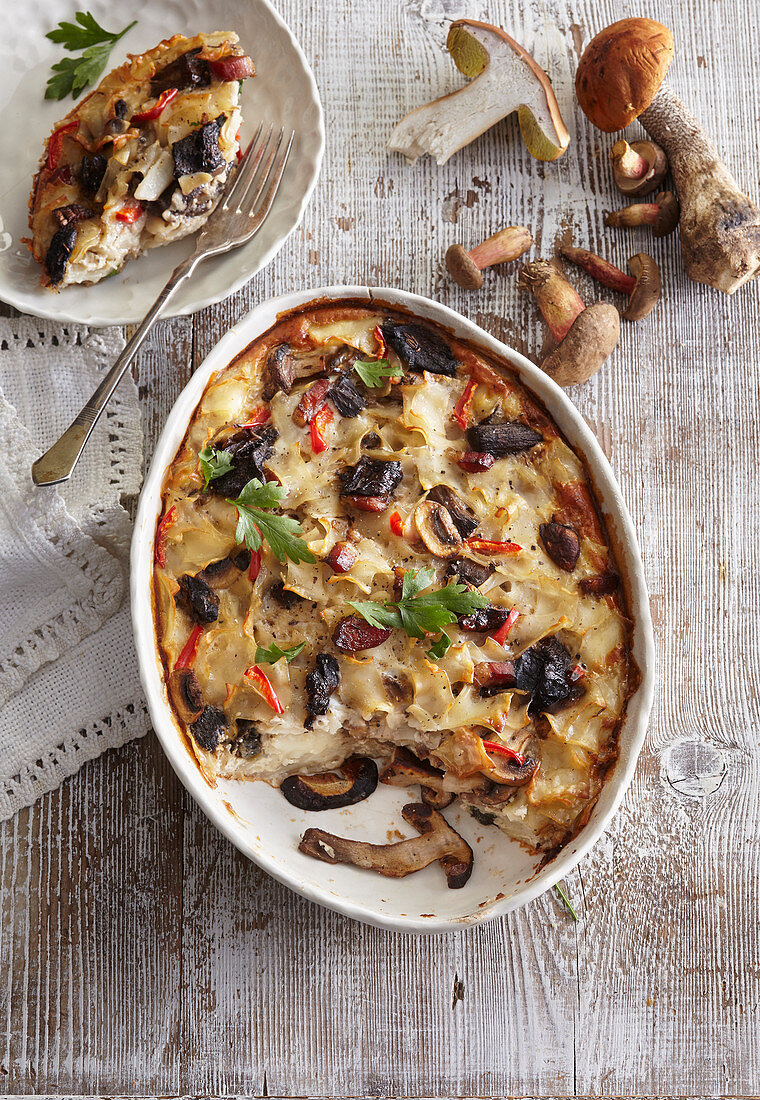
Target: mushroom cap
{"type": "Point", "coordinates": [668, 215]}
{"type": "Point", "coordinates": [462, 268]}
{"type": "Point", "coordinates": [651, 180]}
{"type": "Point", "coordinates": [621, 71]}
{"type": "Point", "coordinates": [590, 342]}
{"type": "Point", "coordinates": [646, 293]}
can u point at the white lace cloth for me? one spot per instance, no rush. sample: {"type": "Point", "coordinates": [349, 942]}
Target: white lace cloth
{"type": "Point", "coordinates": [69, 687]}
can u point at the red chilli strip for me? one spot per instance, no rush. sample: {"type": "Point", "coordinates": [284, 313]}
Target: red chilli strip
{"type": "Point", "coordinates": [153, 112]}
{"type": "Point", "coordinates": [262, 685]}
{"type": "Point", "coordinates": [368, 504]}
{"type": "Point", "coordinates": [396, 524]}
{"type": "Point", "coordinates": [259, 416]}
{"type": "Point", "coordinates": [382, 350]}
{"type": "Point", "coordinates": [130, 212]}
{"type": "Point", "coordinates": [166, 522]}
{"type": "Point", "coordinates": [475, 462]}
{"type": "Point", "coordinates": [255, 567]}
{"type": "Point", "coordinates": [316, 429]}
{"type": "Point", "coordinates": [462, 407]}
{"type": "Point", "coordinates": [493, 746]}
{"type": "Point", "coordinates": [311, 402]}
{"type": "Point", "coordinates": [501, 634]}
{"type": "Point", "coordinates": [187, 657]}
{"type": "Point", "coordinates": [55, 144]}
{"type": "Point", "coordinates": [486, 546]}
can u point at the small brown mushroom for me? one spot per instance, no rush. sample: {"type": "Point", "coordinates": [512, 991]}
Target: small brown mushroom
{"type": "Point", "coordinates": [639, 168]}
{"type": "Point", "coordinates": [463, 517]}
{"type": "Point", "coordinates": [662, 215]}
{"type": "Point", "coordinates": [643, 288]}
{"type": "Point", "coordinates": [328, 791]}
{"type": "Point", "coordinates": [621, 77]}
{"type": "Point", "coordinates": [405, 769]}
{"type": "Point", "coordinates": [185, 694]}
{"type": "Point", "coordinates": [437, 842]}
{"type": "Point", "coordinates": [561, 543]}
{"type": "Point", "coordinates": [506, 245]}
{"type": "Point", "coordinates": [225, 571]}
{"type": "Point", "coordinates": [586, 337]}
{"type": "Point", "coordinates": [284, 367]}
{"type": "Point", "coordinates": [437, 529]}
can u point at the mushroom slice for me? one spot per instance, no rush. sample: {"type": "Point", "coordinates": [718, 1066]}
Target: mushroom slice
{"type": "Point", "coordinates": [465, 520]}
{"type": "Point", "coordinates": [437, 841]}
{"type": "Point", "coordinates": [225, 571]}
{"type": "Point", "coordinates": [405, 769]}
{"type": "Point", "coordinates": [504, 78]}
{"type": "Point", "coordinates": [284, 367]}
{"type": "Point", "coordinates": [437, 529]}
{"type": "Point", "coordinates": [186, 694]}
{"type": "Point", "coordinates": [329, 791]}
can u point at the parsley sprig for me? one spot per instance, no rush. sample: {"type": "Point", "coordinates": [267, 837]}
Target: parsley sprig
{"type": "Point", "coordinates": [73, 74]}
{"type": "Point", "coordinates": [270, 655]}
{"type": "Point", "coordinates": [566, 900]}
{"type": "Point", "coordinates": [419, 612]}
{"type": "Point", "coordinates": [256, 522]}
{"type": "Point", "coordinates": [373, 373]}
{"type": "Point", "coordinates": [213, 464]}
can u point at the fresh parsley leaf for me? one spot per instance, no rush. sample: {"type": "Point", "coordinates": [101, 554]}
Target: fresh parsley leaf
{"type": "Point", "coordinates": [440, 648]}
{"type": "Point", "coordinates": [566, 901]}
{"type": "Point", "coordinates": [373, 373]}
{"type": "Point", "coordinates": [213, 464]}
{"type": "Point", "coordinates": [272, 654]}
{"type": "Point", "coordinates": [419, 612]}
{"type": "Point", "coordinates": [72, 74]}
{"type": "Point", "coordinates": [257, 523]}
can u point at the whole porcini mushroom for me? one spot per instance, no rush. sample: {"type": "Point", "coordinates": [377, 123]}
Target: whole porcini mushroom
{"type": "Point", "coordinates": [639, 168]}
{"type": "Point", "coordinates": [465, 267]}
{"type": "Point", "coordinates": [586, 337]}
{"type": "Point", "coordinates": [662, 215]}
{"type": "Point", "coordinates": [503, 78]}
{"type": "Point", "coordinates": [643, 286]}
{"type": "Point", "coordinates": [621, 77]}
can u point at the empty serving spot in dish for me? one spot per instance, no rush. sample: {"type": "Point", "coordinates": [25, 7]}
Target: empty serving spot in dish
{"type": "Point", "coordinates": [141, 161]}
{"type": "Point", "coordinates": [375, 546]}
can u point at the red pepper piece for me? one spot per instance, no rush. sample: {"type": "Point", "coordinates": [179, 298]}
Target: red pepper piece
{"type": "Point", "coordinates": [369, 504]}
{"type": "Point", "coordinates": [382, 347]}
{"type": "Point", "coordinates": [342, 557]}
{"type": "Point", "coordinates": [311, 402]}
{"type": "Point", "coordinates": [262, 685]}
{"type": "Point", "coordinates": [55, 144]}
{"type": "Point", "coordinates": [501, 634]}
{"type": "Point", "coordinates": [130, 212]}
{"type": "Point", "coordinates": [255, 567]}
{"type": "Point", "coordinates": [232, 68]}
{"type": "Point", "coordinates": [475, 462]}
{"type": "Point", "coordinates": [354, 635]}
{"type": "Point", "coordinates": [166, 521]}
{"type": "Point", "coordinates": [462, 407]}
{"type": "Point", "coordinates": [397, 524]}
{"type": "Point", "coordinates": [494, 672]}
{"type": "Point", "coordinates": [577, 672]}
{"type": "Point", "coordinates": [493, 746]}
{"type": "Point", "coordinates": [488, 546]}
{"type": "Point", "coordinates": [317, 426]}
{"type": "Point", "coordinates": [153, 112]}
{"type": "Point", "coordinates": [187, 657]}
{"type": "Point", "coordinates": [259, 416]}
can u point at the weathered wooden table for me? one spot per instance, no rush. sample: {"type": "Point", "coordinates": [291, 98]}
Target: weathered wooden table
{"type": "Point", "coordinates": [140, 954]}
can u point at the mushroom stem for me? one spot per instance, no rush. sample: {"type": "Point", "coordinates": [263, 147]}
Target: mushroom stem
{"type": "Point", "coordinates": [559, 302]}
{"type": "Point", "coordinates": [627, 161]}
{"type": "Point", "coordinates": [601, 270]}
{"type": "Point", "coordinates": [720, 225]}
{"type": "Point", "coordinates": [508, 244]}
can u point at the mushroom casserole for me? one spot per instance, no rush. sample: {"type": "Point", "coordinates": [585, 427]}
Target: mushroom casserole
{"type": "Point", "coordinates": [141, 161]}
{"type": "Point", "coordinates": [375, 545]}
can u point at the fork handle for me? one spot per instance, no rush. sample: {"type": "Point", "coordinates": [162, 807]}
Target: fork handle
{"type": "Point", "coordinates": [57, 464]}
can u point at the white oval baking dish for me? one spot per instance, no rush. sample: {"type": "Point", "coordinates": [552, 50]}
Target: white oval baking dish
{"type": "Point", "coordinates": [257, 819]}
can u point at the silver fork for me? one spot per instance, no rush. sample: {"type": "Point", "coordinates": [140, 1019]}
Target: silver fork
{"type": "Point", "coordinates": [247, 201]}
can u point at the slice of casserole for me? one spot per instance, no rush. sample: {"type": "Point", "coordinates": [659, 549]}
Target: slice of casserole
{"type": "Point", "coordinates": [139, 162]}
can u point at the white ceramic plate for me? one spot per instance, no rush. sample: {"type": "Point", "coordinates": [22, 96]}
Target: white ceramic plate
{"type": "Point", "coordinates": [257, 818]}
{"type": "Point", "coordinates": [283, 92]}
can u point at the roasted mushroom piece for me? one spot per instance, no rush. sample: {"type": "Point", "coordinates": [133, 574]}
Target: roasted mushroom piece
{"type": "Point", "coordinates": [210, 729]}
{"type": "Point", "coordinates": [438, 841]}
{"type": "Point", "coordinates": [370, 477]}
{"type": "Point", "coordinates": [198, 598]}
{"type": "Point", "coordinates": [561, 543]}
{"type": "Point", "coordinates": [510, 438]}
{"type": "Point", "coordinates": [249, 449]}
{"type": "Point", "coordinates": [405, 769]}
{"type": "Point", "coordinates": [186, 694]}
{"type": "Point", "coordinates": [284, 367]}
{"type": "Point", "coordinates": [464, 518]}
{"type": "Point", "coordinates": [345, 396]}
{"type": "Point", "coordinates": [469, 572]}
{"type": "Point", "coordinates": [419, 349]}
{"type": "Point", "coordinates": [199, 151]}
{"type": "Point", "coordinates": [328, 791]}
{"type": "Point", "coordinates": [246, 742]}
{"type": "Point", "coordinates": [437, 529]}
{"type": "Point", "coordinates": [225, 571]}
{"type": "Point", "coordinates": [321, 682]}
